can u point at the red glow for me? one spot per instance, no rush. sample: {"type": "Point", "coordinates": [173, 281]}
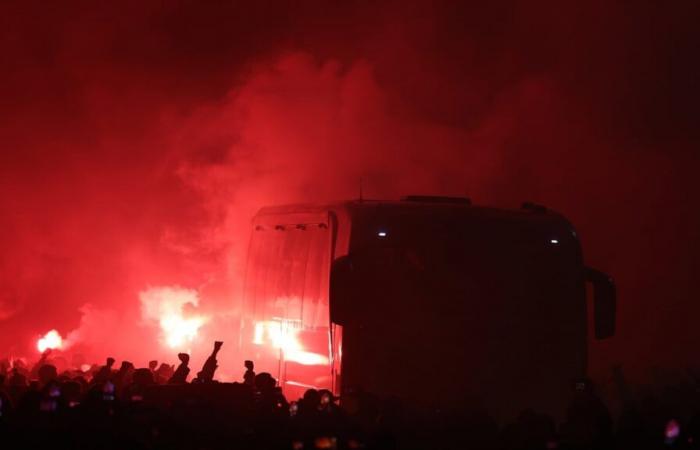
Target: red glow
{"type": "Point", "coordinates": [136, 150]}
{"type": "Point", "coordinates": [286, 337]}
{"type": "Point", "coordinates": [51, 340]}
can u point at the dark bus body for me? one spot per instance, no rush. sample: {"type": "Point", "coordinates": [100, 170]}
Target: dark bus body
{"type": "Point", "coordinates": [429, 299]}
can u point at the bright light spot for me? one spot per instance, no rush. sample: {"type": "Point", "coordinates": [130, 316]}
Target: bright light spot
{"type": "Point", "coordinates": [554, 241]}
{"type": "Point", "coordinates": [174, 309]}
{"type": "Point", "coordinates": [51, 340]}
{"type": "Point", "coordinates": [673, 429]}
{"type": "Point", "coordinates": [382, 234]}
{"type": "Point", "coordinates": [325, 442]}
{"type": "Point", "coordinates": [307, 358]}
{"type": "Point", "coordinates": [259, 331]}
{"type": "Point", "coordinates": [85, 367]}
{"type": "Point", "coordinates": [286, 338]}
{"type": "Point", "coordinates": [304, 385]}
{"type": "Point", "coordinates": [179, 330]}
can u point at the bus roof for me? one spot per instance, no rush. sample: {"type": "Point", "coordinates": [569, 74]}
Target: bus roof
{"type": "Point", "coordinates": [317, 213]}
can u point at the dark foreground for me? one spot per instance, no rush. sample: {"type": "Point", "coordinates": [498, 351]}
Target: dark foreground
{"type": "Point", "coordinates": [137, 409]}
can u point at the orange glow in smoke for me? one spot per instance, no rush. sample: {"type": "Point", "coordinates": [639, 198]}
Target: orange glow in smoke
{"type": "Point", "coordinates": [286, 338]}
{"type": "Point", "coordinates": [51, 340]}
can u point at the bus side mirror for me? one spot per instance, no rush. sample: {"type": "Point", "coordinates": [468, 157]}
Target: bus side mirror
{"type": "Point", "coordinates": [342, 290]}
{"type": "Point", "coordinates": [604, 303]}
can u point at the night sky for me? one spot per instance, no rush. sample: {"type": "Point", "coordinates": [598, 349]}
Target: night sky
{"type": "Point", "coordinates": [138, 139]}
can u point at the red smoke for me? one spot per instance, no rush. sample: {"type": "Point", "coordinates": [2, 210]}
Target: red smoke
{"type": "Point", "coordinates": [138, 141]}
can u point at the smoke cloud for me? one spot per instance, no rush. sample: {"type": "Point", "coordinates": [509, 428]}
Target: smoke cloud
{"type": "Point", "coordinates": [138, 142]}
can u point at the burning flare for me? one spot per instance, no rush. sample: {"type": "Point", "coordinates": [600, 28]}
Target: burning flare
{"type": "Point", "coordinates": [179, 330]}
{"type": "Point", "coordinates": [51, 340]}
{"type": "Point", "coordinates": [174, 309]}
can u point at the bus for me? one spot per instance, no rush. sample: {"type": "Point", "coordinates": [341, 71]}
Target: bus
{"type": "Point", "coordinates": [429, 299]}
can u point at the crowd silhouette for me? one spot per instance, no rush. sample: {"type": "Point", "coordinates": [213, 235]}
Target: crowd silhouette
{"type": "Point", "coordinates": [155, 407]}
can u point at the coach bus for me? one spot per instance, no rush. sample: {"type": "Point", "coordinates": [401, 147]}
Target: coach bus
{"type": "Point", "coordinates": [430, 299]}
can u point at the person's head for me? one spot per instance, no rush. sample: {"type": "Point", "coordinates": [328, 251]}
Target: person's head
{"type": "Point", "coordinates": [248, 364]}
{"type": "Point", "coordinates": [184, 357]}
{"type": "Point", "coordinates": [312, 399]}
{"type": "Point", "coordinates": [126, 365]}
{"type": "Point", "coordinates": [264, 382]}
{"type": "Point", "coordinates": [110, 362]}
{"type": "Point", "coordinates": [326, 397]}
{"type": "Point", "coordinates": [152, 364]}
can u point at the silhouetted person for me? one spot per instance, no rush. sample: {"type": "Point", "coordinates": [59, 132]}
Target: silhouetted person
{"type": "Point", "coordinates": [47, 373]}
{"type": "Point", "coordinates": [310, 405]}
{"type": "Point", "coordinates": [17, 379]}
{"type": "Point", "coordinates": [4, 404]}
{"type": "Point", "coordinates": [143, 377]}
{"type": "Point", "coordinates": [164, 373]}
{"type": "Point", "coordinates": [308, 417]}
{"type": "Point", "coordinates": [264, 383]}
{"type": "Point", "coordinates": [35, 369]}
{"type": "Point", "coordinates": [180, 375]}
{"type": "Point", "coordinates": [52, 400]}
{"type": "Point", "coordinates": [105, 373]}
{"type": "Point", "coordinates": [206, 375]}
{"type": "Point", "coordinates": [141, 380]}
{"type": "Point", "coordinates": [123, 376]}
{"type": "Point", "coordinates": [152, 365]}
{"type": "Point", "coordinates": [72, 391]}
{"type": "Point", "coordinates": [327, 404]}
{"type": "Point", "coordinates": [5, 366]}
{"type": "Point", "coordinates": [588, 421]}
{"type": "Point", "coordinates": [249, 375]}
